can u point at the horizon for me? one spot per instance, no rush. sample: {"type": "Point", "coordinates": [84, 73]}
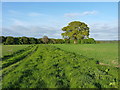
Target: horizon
{"type": "Point", "coordinates": [47, 18]}
{"type": "Point", "coordinates": [57, 38]}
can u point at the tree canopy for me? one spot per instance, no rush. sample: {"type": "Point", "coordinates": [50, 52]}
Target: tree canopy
{"type": "Point", "coordinates": [45, 39]}
{"type": "Point", "coordinates": [10, 40]}
{"type": "Point", "coordinates": [76, 30]}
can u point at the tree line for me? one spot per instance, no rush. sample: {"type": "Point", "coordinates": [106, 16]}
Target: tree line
{"type": "Point", "coordinates": [9, 40]}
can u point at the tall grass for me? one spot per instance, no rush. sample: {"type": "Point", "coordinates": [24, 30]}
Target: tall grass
{"type": "Point", "coordinates": [105, 53]}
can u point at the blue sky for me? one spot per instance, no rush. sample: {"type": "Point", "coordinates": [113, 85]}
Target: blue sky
{"type": "Point", "coordinates": [47, 18]}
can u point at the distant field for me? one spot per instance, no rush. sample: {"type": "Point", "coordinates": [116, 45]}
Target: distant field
{"type": "Point", "coordinates": [105, 53]}
{"type": "Point", "coordinates": [10, 49]}
{"type": "Point", "coordinates": [47, 66]}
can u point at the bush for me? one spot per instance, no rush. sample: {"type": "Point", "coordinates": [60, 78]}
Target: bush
{"type": "Point", "coordinates": [79, 41]}
{"type": "Point", "coordinates": [87, 41]}
{"type": "Point", "coordinates": [71, 41]}
{"type": "Point", "coordinates": [9, 40]}
{"type": "Point", "coordinates": [91, 41]}
{"type": "Point", "coordinates": [66, 41]}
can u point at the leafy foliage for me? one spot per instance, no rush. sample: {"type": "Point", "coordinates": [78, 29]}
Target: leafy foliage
{"type": "Point", "coordinates": [24, 40]}
{"type": "Point", "coordinates": [76, 30]}
{"type": "Point", "coordinates": [88, 41]}
{"type": "Point", "coordinates": [9, 40]}
{"type": "Point", "coordinates": [32, 40]}
{"type": "Point", "coordinates": [45, 39]}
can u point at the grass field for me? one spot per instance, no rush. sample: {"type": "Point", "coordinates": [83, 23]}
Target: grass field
{"type": "Point", "coordinates": [10, 49]}
{"type": "Point", "coordinates": [105, 53]}
{"type": "Point", "coordinates": [47, 66]}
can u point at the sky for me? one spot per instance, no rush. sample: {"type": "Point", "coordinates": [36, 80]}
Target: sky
{"type": "Point", "coordinates": [60, 0]}
{"type": "Point", "coordinates": [36, 19]}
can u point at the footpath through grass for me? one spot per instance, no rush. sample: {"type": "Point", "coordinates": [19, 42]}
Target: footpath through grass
{"type": "Point", "coordinates": [51, 67]}
{"type": "Point", "coordinates": [105, 53]}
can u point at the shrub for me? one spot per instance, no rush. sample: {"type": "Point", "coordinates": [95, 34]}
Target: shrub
{"type": "Point", "coordinates": [87, 41]}
{"type": "Point", "coordinates": [71, 41]}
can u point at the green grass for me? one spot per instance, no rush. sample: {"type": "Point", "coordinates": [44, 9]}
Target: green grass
{"type": "Point", "coordinates": [16, 58]}
{"type": "Point", "coordinates": [10, 49]}
{"type": "Point", "coordinates": [105, 53]}
{"type": "Point", "coordinates": [50, 67]}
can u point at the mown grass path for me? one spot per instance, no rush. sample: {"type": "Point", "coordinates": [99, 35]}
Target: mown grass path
{"type": "Point", "coordinates": [10, 49]}
{"type": "Point", "coordinates": [18, 57]}
{"type": "Point", "coordinates": [15, 53]}
{"type": "Point", "coordinates": [15, 63]}
{"type": "Point", "coordinates": [50, 67]}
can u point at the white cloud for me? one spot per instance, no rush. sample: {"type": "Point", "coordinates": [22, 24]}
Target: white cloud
{"type": "Point", "coordinates": [13, 12]}
{"type": "Point", "coordinates": [34, 14]}
{"type": "Point", "coordinates": [18, 13]}
{"type": "Point", "coordinates": [71, 14]}
{"type": "Point", "coordinates": [104, 31]}
{"type": "Point", "coordinates": [88, 13]}
{"type": "Point", "coordinates": [80, 14]}
{"type": "Point", "coordinates": [22, 28]}
{"type": "Point", "coordinates": [99, 31]}
{"type": "Point", "coordinates": [17, 22]}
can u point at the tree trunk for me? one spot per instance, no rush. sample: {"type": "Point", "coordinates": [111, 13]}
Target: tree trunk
{"type": "Point", "coordinates": [75, 41]}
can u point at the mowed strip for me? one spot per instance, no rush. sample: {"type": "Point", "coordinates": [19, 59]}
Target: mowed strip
{"type": "Point", "coordinates": [16, 58]}
{"type": "Point", "coordinates": [10, 49]}
{"type": "Point", "coordinates": [51, 67]}
{"type": "Point", "coordinates": [5, 57]}
{"type": "Point", "coordinates": [13, 66]}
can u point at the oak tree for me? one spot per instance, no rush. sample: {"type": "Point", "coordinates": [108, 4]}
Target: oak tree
{"type": "Point", "coordinates": [76, 30]}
